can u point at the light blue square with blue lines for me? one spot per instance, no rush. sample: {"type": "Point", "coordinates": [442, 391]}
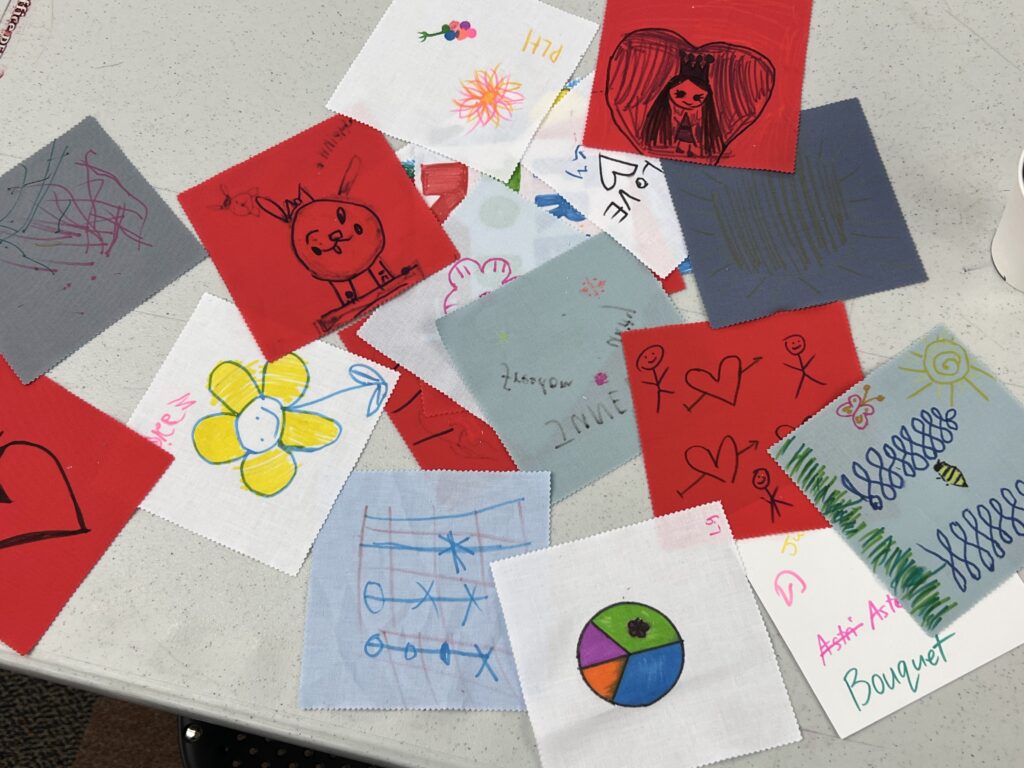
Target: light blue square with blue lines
{"type": "Point", "coordinates": [920, 467]}
{"type": "Point", "coordinates": [402, 612]}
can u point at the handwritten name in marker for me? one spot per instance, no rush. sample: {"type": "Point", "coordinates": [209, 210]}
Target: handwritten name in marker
{"type": "Point", "coordinates": [864, 689]}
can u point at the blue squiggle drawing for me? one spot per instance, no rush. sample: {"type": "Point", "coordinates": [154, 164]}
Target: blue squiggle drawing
{"type": "Point", "coordinates": [453, 548]}
{"type": "Point", "coordinates": [375, 646]}
{"type": "Point", "coordinates": [374, 598]}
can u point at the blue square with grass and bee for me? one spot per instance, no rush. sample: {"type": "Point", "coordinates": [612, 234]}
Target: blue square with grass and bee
{"type": "Point", "coordinates": [762, 242]}
{"type": "Point", "coordinates": [919, 467]}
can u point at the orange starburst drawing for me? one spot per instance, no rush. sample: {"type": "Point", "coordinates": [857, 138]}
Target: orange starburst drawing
{"type": "Point", "coordinates": [488, 98]}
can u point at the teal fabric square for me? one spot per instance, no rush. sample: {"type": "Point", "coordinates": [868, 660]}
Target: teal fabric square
{"type": "Point", "coordinates": [919, 467]}
{"type": "Point", "coordinates": [543, 357]}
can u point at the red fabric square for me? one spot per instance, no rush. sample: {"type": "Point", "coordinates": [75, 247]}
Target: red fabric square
{"type": "Point", "coordinates": [316, 232]}
{"type": "Point", "coordinates": [70, 478]}
{"type": "Point", "coordinates": [717, 82]}
{"type": "Point", "coordinates": [709, 403]}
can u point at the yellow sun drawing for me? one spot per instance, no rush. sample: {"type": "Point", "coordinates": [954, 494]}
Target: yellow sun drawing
{"type": "Point", "coordinates": [488, 98]}
{"type": "Point", "coordinates": [944, 363]}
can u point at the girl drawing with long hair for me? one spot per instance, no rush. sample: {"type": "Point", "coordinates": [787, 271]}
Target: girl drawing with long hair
{"type": "Point", "coordinates": [683, 115]}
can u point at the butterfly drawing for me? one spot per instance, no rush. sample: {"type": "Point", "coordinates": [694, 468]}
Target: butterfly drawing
{"type": "Point", "coordinates": [858, 408]}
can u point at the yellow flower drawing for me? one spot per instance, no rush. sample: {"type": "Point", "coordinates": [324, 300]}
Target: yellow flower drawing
{"type": "Point", "coordinates": [260, 423]}
{"type": "Point", "coordinates": [488, 98]}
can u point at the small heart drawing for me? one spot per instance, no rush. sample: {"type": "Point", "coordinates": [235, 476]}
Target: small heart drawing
{"type": "Point", "coordinates": [653, 75]}
{"type": "Point", "coordinates": [722, 466]}
{"type": "Point", "coordinates": [724, 386]}
{"type": "Point", "coordinates": [36, 498]}
{"type": "Point", "coordinates": [469, 280]}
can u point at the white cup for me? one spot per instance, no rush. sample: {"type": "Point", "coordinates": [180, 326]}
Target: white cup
{"type": "Point", "coordinates": [1008, 243]}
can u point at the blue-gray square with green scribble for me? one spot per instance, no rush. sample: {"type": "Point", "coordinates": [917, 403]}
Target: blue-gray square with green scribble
{"type": "Point", "coordinates": [84, 239]}
{"type": "Point", "coordinates": [543, 357]}
{"type": "Point", "coordinates": [761, 242]}
{"type": "Point", "coordinates": [920, 468]}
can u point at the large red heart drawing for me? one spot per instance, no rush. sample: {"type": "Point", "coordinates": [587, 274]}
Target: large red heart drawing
{"type": "Point", "coordinates": [724, 386]}
{"type": "Point", "coordinates": [642, 67]}
{"type": "Point", "coordinates": [36, 498]}
{"type": "Point", "coordinates": [722, 466]}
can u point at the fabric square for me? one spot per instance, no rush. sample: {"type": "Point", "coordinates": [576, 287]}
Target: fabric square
{"type": "Point", "coordinates": [402, 612]}
{"type": "Point", "coordinates": [502, 236]}
{"type": "Point", "coordinates": [710, 83]}
{"type": "Point", "coordinates": [614, 641]}
{"type": "Point", "coordinates": [919, 468]}
{"type": "Point", "coordinates": [863, 656]}
{"type": "Point", "coordinates": [543, 357]}
{"type": "Point", "coordinates": [438, 432]}
{"type": "Point", "coordinates": [84, 239]}
{"type": "Point", "coordinates": [70, 478]}
{"type": "Point", "coordinates": [262, 448]}
{"type": "Point", "coordinates": [764, 242]}
{"type": "Point", "coordinates": [710, 402]}
{"type": "Point", "coordinates": [316, 232]}
{"type": "Point", "coordinates": [444, 185]}
{"type": "Point", "coordinates": [495, 70]}
{"type": "Point", "coordinates": [623, 193]}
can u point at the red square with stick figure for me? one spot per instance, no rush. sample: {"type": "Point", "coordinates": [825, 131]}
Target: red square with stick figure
{"type": "Point", "coordinates": [710, 403]}
{"type": "Point", "coordinates": [716, 82]}
{"type": "Point", "coordinates": [316, 232]}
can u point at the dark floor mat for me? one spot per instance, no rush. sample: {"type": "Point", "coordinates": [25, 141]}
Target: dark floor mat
{"type": "Point", "coordinates": [41, 724]}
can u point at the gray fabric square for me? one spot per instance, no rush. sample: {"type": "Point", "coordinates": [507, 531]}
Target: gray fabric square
{"type": "Point", "coordinates": [543, 356]}
{"type": "Point", "coordinates": [84, 239]}
{"type": "Point", "coordinates": [762, 242]}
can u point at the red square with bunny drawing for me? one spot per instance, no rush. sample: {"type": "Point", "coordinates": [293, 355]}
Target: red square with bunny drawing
{"type": "Point", "coordinates": [316, 232]}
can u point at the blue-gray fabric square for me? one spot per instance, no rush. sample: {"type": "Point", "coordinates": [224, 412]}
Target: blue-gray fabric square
{"type": "Point", "coordinates": [84, 239]}
{"type": "Point", "coordinates": [543, 357]}
{"type": "Point", "coordinates": [761, 242]}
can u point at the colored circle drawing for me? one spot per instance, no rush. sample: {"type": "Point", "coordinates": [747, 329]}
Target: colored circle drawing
{"type": "Point", "coordinates": [630, 654]}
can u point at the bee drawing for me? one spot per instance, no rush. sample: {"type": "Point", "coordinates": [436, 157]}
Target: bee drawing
{"type": "Point", "coordinates": [949, 474]}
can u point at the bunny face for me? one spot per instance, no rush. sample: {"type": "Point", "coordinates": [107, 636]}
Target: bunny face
{"type": "Point", "coordinates": [336, 239]}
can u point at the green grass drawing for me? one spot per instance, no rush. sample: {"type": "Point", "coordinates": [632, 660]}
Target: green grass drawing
{"type": "Point", "coordinates": [914, 585]}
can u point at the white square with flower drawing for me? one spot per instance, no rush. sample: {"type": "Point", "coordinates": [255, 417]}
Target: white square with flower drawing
{"type": "Point", "coordinates": [472, 84]}
{"type": "Point", "coordinates": [261, 448]}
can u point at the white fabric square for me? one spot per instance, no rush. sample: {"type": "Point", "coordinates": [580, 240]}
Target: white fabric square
{"type": "Point", "coordinates": [477, 97]}
{"type": "Point", "coordinates": [864, 656]}
{"type": "Point", "coordinates": [600, 626]}
{"type": "Point", "coordinates": [624, 194]}
{"type": "Point", "coordinates": [261, 449]}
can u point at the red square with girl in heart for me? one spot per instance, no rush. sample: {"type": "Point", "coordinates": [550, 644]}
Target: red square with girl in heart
{"type": "Point", "coordinates": [716, 82]}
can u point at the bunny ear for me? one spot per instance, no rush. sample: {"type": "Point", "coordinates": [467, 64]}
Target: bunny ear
{"type": "Point", "coordinates": [350, 176]}
{"type": "Point", "coordinates": [272, 208]}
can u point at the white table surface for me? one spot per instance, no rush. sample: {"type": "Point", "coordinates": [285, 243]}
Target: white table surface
{"type": "Point", "coordinates": [190, 88]}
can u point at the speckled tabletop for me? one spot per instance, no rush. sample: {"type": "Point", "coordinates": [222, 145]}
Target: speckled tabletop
{"type": "Point", "coordinates": [189, 88]}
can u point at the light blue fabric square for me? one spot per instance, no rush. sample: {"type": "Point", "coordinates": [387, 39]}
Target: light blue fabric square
{"type": "Point", "coordinates": [402, 611]}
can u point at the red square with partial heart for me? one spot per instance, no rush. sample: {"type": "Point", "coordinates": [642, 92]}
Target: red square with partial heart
{"type": "Point", "coordinates": [70, 478]}
{"type": "Point", "coordinates": [716, 83]}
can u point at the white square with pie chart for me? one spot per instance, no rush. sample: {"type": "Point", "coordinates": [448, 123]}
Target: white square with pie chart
{"type": "Point", "coordinates": [261, 448]}
{"type": "Point", "coordinates": [644, 646]}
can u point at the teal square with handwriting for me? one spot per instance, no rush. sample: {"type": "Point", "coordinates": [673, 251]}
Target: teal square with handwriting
{"type": "Point", "coordinates": [919, 467]}
{"type": "Point", "coordinates": [543, 357]}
